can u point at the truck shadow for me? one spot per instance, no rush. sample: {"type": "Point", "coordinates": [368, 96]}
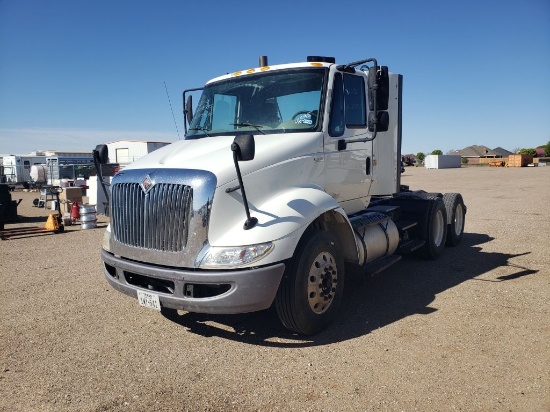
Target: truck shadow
{"type": "Point", "coordinates": [403, 290]}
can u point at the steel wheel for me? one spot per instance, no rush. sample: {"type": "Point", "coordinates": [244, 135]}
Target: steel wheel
{"type": "Point", "coordinates": [456, 212]}
{"type": "Point", "coordinates": [436, 230]}
{"type": "Point", "coordinates": [322, 282]}
{"type": "Point", "coordinates": [313, 284]}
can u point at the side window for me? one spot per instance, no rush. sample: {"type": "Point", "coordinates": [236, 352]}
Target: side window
{"type": "Point", "coordinates": [356, 112]}
{"type": "Point", "coordinates": [348, 107]}
{"type": "Point", "coordinates": [337, 123]}
{"type": "Point", "coordinates": [26, 164]}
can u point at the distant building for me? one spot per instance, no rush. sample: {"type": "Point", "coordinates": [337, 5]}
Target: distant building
{"type": "Point", "coordinates": [502, 152]}
{"type": "Point", "coordinates": [477, 154]}
{"type": "Point", "coordinates": [125, 152]}
{"type": "Point", "coordinates": [60, 164]}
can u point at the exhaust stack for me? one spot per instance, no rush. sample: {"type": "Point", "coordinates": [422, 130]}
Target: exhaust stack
{"type": "Point", "coordinates": [263, 61]}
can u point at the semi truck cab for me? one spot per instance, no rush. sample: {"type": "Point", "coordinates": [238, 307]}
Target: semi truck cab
{"type": "Point", "coordinates": [286, 175]}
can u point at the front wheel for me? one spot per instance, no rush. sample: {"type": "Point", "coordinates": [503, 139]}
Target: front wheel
{"type": "Point", "coordinates": [312, 286]}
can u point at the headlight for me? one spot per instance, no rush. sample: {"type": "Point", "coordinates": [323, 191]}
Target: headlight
{"type": "Point", "coordinates": [106, 244]}
{"type": "Point", "coordinates": [230, 257]}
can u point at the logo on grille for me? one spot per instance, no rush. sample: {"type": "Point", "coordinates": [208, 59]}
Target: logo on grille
{"type": "Point", "coordinates": [146, 184]}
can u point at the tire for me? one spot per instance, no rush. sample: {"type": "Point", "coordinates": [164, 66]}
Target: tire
{"type": "Point", "coordinates": [311, 289]}
{"type": "Point", "coordinates": [456, 214]}
{"type": "Point", "coordinates": [436, 230]}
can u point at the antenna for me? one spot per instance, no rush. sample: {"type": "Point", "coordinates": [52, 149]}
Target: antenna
{"type": "Point", "coordinates": [173, 117]}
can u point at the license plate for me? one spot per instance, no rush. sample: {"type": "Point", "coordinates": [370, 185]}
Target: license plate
{"type": "Point", "coordinates": [148, 299]}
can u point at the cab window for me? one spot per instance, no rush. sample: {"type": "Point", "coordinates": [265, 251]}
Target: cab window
{"type": "Point", "coordinates": [348, 104]}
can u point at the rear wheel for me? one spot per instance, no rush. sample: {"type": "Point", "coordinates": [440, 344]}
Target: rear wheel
{"type": "Point", "coordinates": [456, 211]}
{"type": "Point", "coordinates": [312, 286]}
{"type": "Point", "coordinates": [436, 231]}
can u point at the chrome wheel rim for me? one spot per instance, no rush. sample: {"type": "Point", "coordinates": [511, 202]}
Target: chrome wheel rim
{"type": "Point", "coordinates": [459, 220]}
{"type": "Point", "coordinates": [438, 229]}
{"type": "Point", "coordinates": [322, 280]}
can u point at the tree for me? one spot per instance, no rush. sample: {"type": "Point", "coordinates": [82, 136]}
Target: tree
{"type": "Point", "coordinates": [437, 152]}
{"type": "Point", "coordinates": [420, 156]}
{"type": "Point", "coordinates": [546, 148]}
{"type": "Point", "coordinates": [531, 152]}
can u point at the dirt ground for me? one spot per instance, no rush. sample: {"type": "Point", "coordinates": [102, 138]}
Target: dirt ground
{"type": "Point", "coordinates": [467, 332]}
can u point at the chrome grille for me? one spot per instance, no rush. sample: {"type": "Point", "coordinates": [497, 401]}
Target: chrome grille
{"type": "Point", "coordinates": [156, 220]}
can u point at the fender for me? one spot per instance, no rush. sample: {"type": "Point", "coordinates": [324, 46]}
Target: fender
{"type": "Point", "coordinates": [282, 219]}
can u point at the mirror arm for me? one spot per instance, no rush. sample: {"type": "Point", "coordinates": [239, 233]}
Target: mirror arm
{"type": "Point", "coordinates": [250, 221]}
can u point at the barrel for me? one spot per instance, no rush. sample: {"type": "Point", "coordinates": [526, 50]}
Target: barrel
{"type": "Point", "coordinates": [88, 217]}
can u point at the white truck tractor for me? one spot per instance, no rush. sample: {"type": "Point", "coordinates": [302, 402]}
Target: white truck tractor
{"type": "Point", "coordinates": [287, 175]}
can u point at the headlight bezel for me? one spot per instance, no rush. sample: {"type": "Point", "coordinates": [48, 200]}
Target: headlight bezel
{"type": "Point", "coordinates": [217, 257]}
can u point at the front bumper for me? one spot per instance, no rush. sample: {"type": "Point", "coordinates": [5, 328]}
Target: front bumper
{"type": "Point", "coordinates": [205, 291]}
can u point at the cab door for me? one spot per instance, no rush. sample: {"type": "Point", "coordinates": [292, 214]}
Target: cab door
{"type": "Point", "coordinates": [348, 165]}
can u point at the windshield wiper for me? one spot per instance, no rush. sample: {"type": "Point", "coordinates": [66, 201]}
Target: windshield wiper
{"type": "Point", "coordinates": [245, 124]}
{"type": "Point", "coordinates": [202, 129]}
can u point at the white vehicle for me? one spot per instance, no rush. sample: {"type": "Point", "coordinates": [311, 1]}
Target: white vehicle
{"type": "Point", "coordinates": [286, 173]}
{"type": "Point", "coordinates": [17, 169]}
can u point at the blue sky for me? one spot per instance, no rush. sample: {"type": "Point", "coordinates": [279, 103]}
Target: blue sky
{"type": "Point", "coordinates": [77, 73]}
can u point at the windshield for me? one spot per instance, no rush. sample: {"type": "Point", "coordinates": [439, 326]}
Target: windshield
{"type": "Point", "coordinates": [279, 102]}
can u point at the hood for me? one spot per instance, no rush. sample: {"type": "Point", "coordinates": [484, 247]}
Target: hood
{"type": "Point", "coordinates": [214, 154]}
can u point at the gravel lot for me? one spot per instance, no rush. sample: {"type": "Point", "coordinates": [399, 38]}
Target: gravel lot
{"type": "Point", "coordinates": [467, 332]}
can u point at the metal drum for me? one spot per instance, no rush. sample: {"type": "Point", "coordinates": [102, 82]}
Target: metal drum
{"type": "Point", "coordinates": [88, 217]}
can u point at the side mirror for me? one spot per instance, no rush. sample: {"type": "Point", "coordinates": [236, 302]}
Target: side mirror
{"type": "Point", "coordinates": [382, 121]}
{"type": "Point", "coordinates": [244, 147]}
{"type": "Point", "coordinates": [189, 109]}
{"type": "Point", "coordinates": [379, 94]}
{"type": "Point", "coordinates": [379, 87]}
{"type": "Point", "coordinates": [101, 154]}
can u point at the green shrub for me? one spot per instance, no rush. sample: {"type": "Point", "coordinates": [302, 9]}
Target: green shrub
{"type": "Point", "coordinates": [531, 152]}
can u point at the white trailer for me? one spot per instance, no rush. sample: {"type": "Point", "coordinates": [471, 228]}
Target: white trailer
{"type": "Point", "coordinates": [124, 152]}
{"type": "Point", "coordinates": [17, 168]}
{"type": "Point", "coordinates": [67, 166]}
{"type": "Point", "coordinates": [442, 162]}
{"type": "Point", "coordinates": [287, 175]}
